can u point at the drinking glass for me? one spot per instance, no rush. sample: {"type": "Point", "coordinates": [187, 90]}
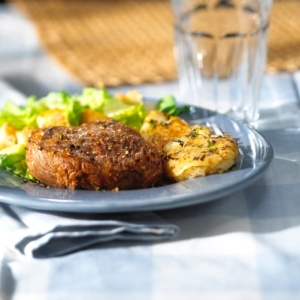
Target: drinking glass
{"type": "Point", "coordinates": [220, 47]}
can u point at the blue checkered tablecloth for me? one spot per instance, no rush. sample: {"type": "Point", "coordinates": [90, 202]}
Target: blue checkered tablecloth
{"type": "Point", "coordinates": [244, 246]}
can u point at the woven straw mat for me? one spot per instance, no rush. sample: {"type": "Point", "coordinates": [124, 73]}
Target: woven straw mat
{"type": "Point", "coordinates": [131, 41]}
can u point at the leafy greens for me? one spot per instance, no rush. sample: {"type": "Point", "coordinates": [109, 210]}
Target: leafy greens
{"type": "Point", "coordinates": [12, 158]}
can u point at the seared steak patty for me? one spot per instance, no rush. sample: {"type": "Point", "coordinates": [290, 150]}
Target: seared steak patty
{"type": "Point", "coordinates": [99, 155]}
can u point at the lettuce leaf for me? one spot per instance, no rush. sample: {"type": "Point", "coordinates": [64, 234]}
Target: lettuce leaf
{"type": "Point", "coordinates": [102, 101]}
{"type": "Point", "coordinates": [13, 159]}
{"type": "Point", "coordinates": [69, 104]}
{"type": "Point", "coordinates": [72, 105]}
{"type": "Point", "coordinates": [94, 99]}
{"type": "Point", "coordinates": [168, 105]}
{"type": "Point", "coordinates": [20, 117]}
{"type": "Point", "coordinates": [129, 114]}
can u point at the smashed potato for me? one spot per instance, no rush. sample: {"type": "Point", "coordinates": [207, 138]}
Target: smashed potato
{"type": "Point", "coordinates": [196, 155]}
{"type": "Point", "coordinates": [158, 130]}
{"type": "Point", "coordinates": [188, 151]}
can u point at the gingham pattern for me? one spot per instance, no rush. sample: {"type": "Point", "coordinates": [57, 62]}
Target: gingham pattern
{"type": "Point", "coordinates": [245, 246]}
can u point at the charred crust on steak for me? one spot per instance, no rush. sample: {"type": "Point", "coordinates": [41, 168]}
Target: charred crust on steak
{"type": "Point", "coordinates": [99, 155]}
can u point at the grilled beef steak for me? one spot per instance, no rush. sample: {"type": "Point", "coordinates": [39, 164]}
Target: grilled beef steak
{"type": "Point", "coordinates": [99, 155]}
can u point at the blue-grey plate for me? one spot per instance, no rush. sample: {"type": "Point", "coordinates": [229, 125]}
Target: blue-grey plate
{"type": "Point", "coordinates": [256, 155]}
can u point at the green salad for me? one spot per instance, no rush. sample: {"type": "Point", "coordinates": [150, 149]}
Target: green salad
{"type": "Point", "coordinates": [61, 108]}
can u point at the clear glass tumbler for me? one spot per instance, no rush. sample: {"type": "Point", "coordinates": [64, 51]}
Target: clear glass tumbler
{"type": "Point", "coordinates": [220, 47]}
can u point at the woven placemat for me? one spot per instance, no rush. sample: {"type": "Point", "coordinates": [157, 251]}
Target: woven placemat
{"type": "Point", "coordinates": [284, 37]}
{"type": "Point", "coordinates": [131, 41]}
